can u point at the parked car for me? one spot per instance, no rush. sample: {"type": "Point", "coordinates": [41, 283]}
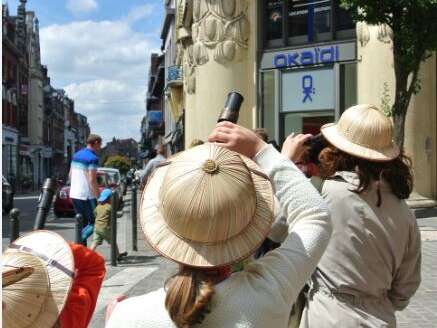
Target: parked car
{"type": "Point", "coordinates": [7, 195]}
{"type": "Point", "coordinates": [63, 205]}
{"type": "Point", "coordinates": [114, 181]}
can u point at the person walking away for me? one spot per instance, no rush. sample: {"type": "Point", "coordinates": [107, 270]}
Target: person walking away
{"type": "Point", "coordinates": [153, 163]}
{"type": "Point", "coordinates": [102, 226]}
{"type": "Point", "coordinates": [371, 267]}
{"type": "Point", "coordinates": [212, 206]}
{"type": "Point", "coordinates": [84, 189]}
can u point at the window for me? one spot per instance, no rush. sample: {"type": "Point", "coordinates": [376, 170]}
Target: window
{"type": "Point", "coordinates": [305, 21]}
{"type": "Point", "coordinates": [273, 20]}
{"type": "Point", "coordinates": [268, 102]}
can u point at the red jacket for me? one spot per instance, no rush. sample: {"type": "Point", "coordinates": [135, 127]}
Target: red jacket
{"type": "Point", "coordinates": [81, 302]}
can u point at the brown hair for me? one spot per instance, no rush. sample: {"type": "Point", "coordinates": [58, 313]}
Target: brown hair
{"type": "Point", "coordinates": [397, 172]}
{"type": "Point", "coordinates": [261, 133]}
{"type": "Point", "coordinates": [189, 294]}
{"type": "Point", "coordinates": [196, 142]}
{"type": "Point", "coordinates": [93, 138]}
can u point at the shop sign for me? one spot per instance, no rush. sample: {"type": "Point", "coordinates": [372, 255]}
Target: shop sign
{"type": "Point", "coordinates": [309, 56]}
{"type": "Point", "coordinates": [306, 90]}
{"type": "Point", "coordinates": [154, 118]}
{"type": "Point", "coordinates": [24, 150]}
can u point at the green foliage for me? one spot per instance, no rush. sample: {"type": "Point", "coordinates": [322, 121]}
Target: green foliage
{"type": "Point", "coordinates": [121, 163]}
{"type": "Point", "coordinates": [385, 101]}
{"type": "Point", "coordinates": [414, 26]}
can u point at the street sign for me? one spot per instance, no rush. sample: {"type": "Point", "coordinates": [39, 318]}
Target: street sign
{"type": "Point", "coordinates": [308, 90]}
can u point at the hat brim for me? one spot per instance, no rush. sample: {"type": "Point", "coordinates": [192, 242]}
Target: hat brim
{"type": "Point", "coordinates": [54, 247]}
{"type": "Point", "coordinates": [198, 254]}
{"type": "Point", "coordinates": [331, 134]}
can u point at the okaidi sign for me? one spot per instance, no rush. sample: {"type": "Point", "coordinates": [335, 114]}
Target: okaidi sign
{"type": "Point", "coordinates": [325, 54]}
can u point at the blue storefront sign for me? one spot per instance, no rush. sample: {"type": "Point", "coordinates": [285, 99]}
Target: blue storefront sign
{"type": "Point", "coordinates": [307, 90]}
{"type": "Point", "coordinates": [155, 118]}
{"type": "Point", "coordinates": [325, 54]}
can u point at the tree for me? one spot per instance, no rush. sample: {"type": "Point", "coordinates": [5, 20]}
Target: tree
{"type": "Point", "coordinates": [414, 26]}
{"type": "Point", "coordinates": [121, 163]}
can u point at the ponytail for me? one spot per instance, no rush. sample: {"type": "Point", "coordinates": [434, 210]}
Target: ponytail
{"type": "Point", "coordinates": [189, 294]}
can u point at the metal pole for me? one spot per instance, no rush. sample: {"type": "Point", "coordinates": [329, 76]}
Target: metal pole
{"type": "Point", "coordinates": [114, 202]}
{"type": "Point", "coordinates": [78, 229]}
{"type": "Point", "coordinates": [45, 202]}
{"type": "Point", "coordinates": [14, 224]}
{"type": "Point", "coordinates": [134, 217]}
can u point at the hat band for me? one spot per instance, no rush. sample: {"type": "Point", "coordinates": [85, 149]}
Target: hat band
{"type": "Point", "coordinates": [43, 257]}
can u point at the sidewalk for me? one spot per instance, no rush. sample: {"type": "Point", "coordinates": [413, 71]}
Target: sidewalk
{"type": "Point", "coordinates": [144, 271]}
{"type": "Point", "coordinates": [140, 272]}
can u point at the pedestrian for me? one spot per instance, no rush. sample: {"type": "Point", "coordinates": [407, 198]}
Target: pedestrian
{"type": "Point", "coordinates": [47, 282]}
{"type": "Point", "coordinates": [102, 226]}
{"type": "Point", "coordinates": [371, 267]}
{"type": "Point", "coordinates": [210, 207]}
{"type": "Point", "coordinates": [84, 189]}
{"type": "Point", "coordinates": [153, 163]}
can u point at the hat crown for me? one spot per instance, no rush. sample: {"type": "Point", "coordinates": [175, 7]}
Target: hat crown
{"type": "Point", "coordinates": [207, 194]}
{"type": "Point", "coordinates": [366, 126]}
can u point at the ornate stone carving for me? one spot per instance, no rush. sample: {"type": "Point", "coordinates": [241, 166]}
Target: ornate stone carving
{"type": "Point", "coordinates": [363, 33]}
{"type": "Point", "coordinates": [222, 26]}
{"type": "Point", "coordinates": [385, 33]}
{"type": "Point", "coordinates": [189, 70]}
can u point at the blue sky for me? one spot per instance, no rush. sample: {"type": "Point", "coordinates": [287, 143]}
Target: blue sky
{"type": "Point", "coordinates": [98, 51]}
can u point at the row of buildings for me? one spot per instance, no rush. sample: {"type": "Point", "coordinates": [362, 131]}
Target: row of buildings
{"type": "Point", "coordinates": [40, 127]}
{"type": "Point", "coordinates": [298, 64]}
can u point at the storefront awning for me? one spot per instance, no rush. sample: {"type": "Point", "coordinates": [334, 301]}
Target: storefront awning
{"type": "Point", "coordinates": [175, 100]}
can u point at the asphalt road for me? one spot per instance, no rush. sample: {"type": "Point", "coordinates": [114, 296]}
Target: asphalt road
{"type": "Point", "coordinates": [28, 208]}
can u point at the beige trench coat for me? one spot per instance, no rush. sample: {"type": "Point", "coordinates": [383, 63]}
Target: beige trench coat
{"type": "Point", "coordinates": [371, 267]}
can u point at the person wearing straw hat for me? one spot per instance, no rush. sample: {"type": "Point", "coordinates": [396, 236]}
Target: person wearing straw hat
{"type": "Point", "coordinates": [47, 282]}
{"type": "Point", "coordinates": [212, 206]}
{"type": "Point", "coordinates": [371, 267]}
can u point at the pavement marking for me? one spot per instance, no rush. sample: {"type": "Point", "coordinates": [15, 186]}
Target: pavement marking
{"type": "Point", "coordinates": [26, 197]}
{"type": "Point", "coordinates": [121, 283]}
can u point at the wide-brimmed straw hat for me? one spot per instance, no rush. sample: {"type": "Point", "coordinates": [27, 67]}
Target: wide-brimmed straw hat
{"type": "Point", "coordinates": [207, 207]}
{"type": "Point", "coordinates": [37, 273]}
{"type": "Point", "coordinates": [363, 131]}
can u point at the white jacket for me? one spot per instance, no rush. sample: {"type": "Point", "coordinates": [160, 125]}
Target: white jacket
{"type": "Point", "coordinates": [263, 293]}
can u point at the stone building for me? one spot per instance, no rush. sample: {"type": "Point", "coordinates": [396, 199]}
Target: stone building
{"type": "Point", "coordinates": [15, 146]}
{"type": "Point", "coordinates": [298, 65]}
{"type": "Point", "coordinates": [123, 147]}
{"type": "Point", "coordinates": [153, 126]}
{"type": "Point", "coordinates": [83, 130]}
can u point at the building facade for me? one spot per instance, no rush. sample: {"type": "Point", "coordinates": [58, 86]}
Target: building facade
{"type": "Point", "coordinates": [299, 65]}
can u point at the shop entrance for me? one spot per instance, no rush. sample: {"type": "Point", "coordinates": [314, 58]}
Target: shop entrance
{"type": "Point", "coordinates": [304, 122]}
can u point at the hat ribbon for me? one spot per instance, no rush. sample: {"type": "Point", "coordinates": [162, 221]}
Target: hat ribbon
{"type": "Point", "coordinates": [49, 261]}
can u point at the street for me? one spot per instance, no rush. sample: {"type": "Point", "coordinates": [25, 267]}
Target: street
{"type": "Point", "coordinates": [144, 271]}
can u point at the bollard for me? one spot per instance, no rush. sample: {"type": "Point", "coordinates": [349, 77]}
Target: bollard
{"type": "Point", "coordinates": [114, 202]}
{"type": "Point", "coordinates": [134, 217]}
{"type": "Point", "coordinates": [78, 229]}
{"type": "Point", "coordinates": [45, 202]}
{"type": "Point", "coordinates": [14, 224]}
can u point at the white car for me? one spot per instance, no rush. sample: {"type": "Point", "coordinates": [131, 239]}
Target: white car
{"type": "Point", "coordinates": [114, 180]}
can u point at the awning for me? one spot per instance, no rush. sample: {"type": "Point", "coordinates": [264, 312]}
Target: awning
{"type": "Point", "coordinates": [175, 99]}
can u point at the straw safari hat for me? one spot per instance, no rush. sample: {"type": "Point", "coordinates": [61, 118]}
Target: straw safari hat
{"type": "Point", "coordinates": [363, 131]}
{"type": "Point", "coordinates": [207, 207]}
{"type": "Point", "coordinates": [37, 274]}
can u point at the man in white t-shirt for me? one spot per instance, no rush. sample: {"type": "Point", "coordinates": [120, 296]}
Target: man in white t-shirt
{"type": "Point", "coordinates": [84, 189]}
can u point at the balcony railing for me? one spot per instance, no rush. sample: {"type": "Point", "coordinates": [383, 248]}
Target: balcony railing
{"type": "Point", "coordinates": [174, 75]}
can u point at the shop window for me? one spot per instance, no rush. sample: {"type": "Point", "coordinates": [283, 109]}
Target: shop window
{"type": "Point", "coordinates": [309, 21]}
{"type": "Point", "coordinates": [273, 22]}
{"type": "Point", "coordinates": [268, 102]}
{"type": "Point", "coordinates": [307, 122]}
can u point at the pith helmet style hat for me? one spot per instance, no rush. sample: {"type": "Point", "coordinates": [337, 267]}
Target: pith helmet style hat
{"type": "Point", "coordinates": [363, 131]}
{"type": "Point", "coordinates": [37, 273]}
{"type": "Point", "coordinates": [207, 207]}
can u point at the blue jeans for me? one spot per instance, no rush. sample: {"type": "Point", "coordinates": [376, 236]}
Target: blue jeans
{"type": "Point", "coordinates": [86, 208]}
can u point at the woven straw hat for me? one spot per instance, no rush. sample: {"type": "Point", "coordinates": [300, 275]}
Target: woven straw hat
{"type": "Point", "coordinates": [363, 131]}
{"type": "Point", "coordinates": [207, 207]}
{"type": "Point", "coordinates": [38, 271]}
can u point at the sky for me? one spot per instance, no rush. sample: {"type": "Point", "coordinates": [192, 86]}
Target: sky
{"type": "Point", "coordinates": [99, 51]}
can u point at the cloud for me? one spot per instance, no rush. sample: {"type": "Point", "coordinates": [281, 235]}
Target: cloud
{"type": "Point", "coordinates": [81, 6]}
{"type": "Point", "coordinates": [139, 12]}
{"type": "Point", "coordinates": [103, 66]}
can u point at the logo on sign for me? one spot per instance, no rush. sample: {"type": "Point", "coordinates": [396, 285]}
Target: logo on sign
{"type": "Point", "coordinates": [307, 88]}
{"type": "Point", "coordinates": [317, 55]}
